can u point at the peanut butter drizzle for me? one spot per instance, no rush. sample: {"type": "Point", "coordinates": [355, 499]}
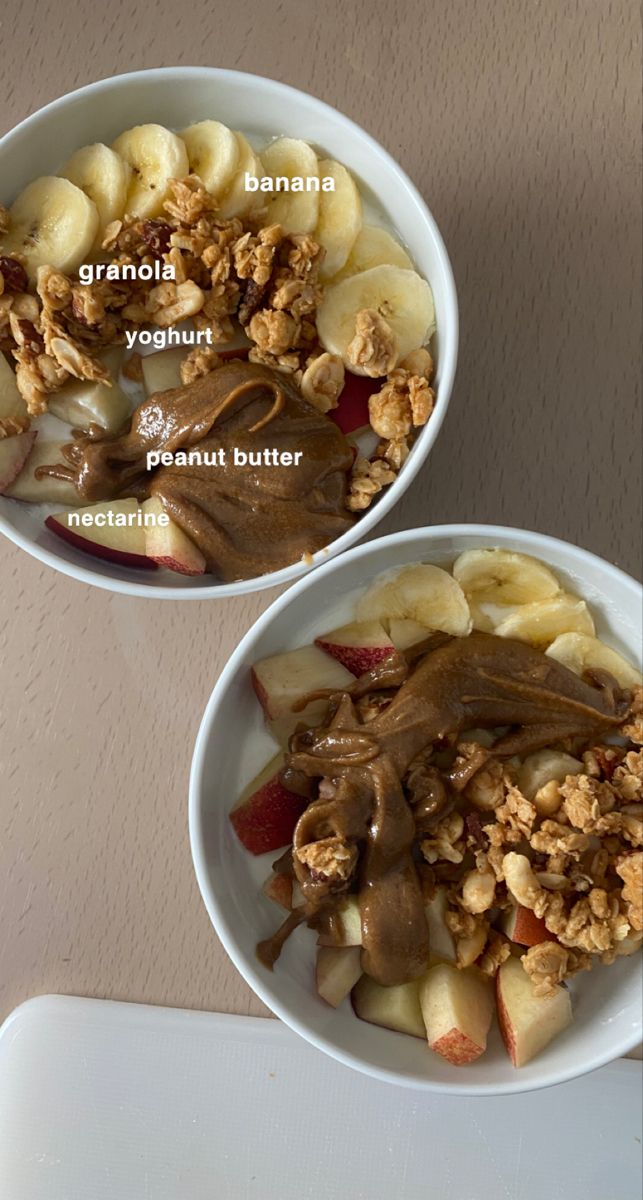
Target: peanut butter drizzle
{"type": "Point", "coordinates": [246, 520]}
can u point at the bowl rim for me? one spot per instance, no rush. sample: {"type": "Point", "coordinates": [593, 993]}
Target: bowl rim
{"type": "Point", "coordinates": [538, 542]}
{"type": "Point", "coordinates": [447, 364]}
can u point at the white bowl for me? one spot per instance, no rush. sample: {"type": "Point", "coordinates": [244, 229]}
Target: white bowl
{"type": "Point", "coordinates": [262, 108]}
{"type": "Point", "coordinates": [232, 745]}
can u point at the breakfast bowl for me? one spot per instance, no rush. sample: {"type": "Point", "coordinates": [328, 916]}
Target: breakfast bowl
{"type": "Point", "coordinates": [179, 99]}
{"type": "Point", "coordinates": [235, 740]}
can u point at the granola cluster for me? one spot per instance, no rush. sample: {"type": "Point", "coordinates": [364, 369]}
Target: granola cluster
{"type": "Point", "coordinates": [572, 854]}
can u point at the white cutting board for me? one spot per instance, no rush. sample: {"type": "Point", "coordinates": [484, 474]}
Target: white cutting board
{"type": "Point", "coordinates": [106, 1101]}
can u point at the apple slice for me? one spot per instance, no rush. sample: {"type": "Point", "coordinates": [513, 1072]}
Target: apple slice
{"type": "Point", "coordinates": [12, 405]}
{"type": "Point", "coordinates": [457, 1006]}
{"type": "Point", "coordinates": [441, 941]}
{"type": "Point", "coordinates": [351, 414]}
{"type": "Point", "coordinates": [396, 1007]}
{"type": "Point", "coordinates": [521, 925]}
{"type": "Point", "coordinates": [406, 633]}
{"type": "Point", "coordinates": [46, 490]}
{"type": "Point", "coordinates": [162, 370]}
{"type": "Point", "coordinates": [87, 529]}
{"type": "Point", "coordinates": [168, 545]}
{"type": "Point", "coordinates": [357, 646]}
{"type": "Point", "coordinates": [345, 928]}
{"type": "Point", "coordinates": [337, 970]}
{"type": "Point", "coordinates": [266, 815]}
{"type": "Point", "coordinates": [281, 680]}
{"type": "Point", "coordinates": [528, 1023]}
{"type": "Point", "coordinates": [14, 452]}
{"type": "Point", "coordinates": [85, 402]}
{"type": "Point", "coordinates": [279, 888]}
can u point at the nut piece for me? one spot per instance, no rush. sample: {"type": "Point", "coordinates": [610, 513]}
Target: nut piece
{"type": "Point", "coordinates": [374, 347]}
{"type": "Point", "coordinates": [478, 891]}
{"type": "Point", "coordinates": [322, 381]}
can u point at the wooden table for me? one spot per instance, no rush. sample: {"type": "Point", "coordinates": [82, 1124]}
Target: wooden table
{"type": "Point", "coordinates": [520, 124]}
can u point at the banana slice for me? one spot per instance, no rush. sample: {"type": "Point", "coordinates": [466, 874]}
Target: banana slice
{"type": "Point", "coordinates": [422, 593]}
{"type": "Point", "coordinates": [52, 223]}
{"type": "Point", "coordinates": [402, 297]}
{"type": "Point", "coordinates": [373, 247]}
{"type": "Point", "coordinates": [296, 212]}
{"type": "Point", "coordinates": [155, 155]}
{"type": "Point", "coordinates": [541, 622]}
{"type": "Point", "coordinates": [103, 176]}
{"type": "Point", "coordinates": [504, 577]}
{"type": "Point", "coordinates": [236, 201]}
{"type": "Point", "coordinates": [580, 652]}
{"type": "Point", "coordinates": [213, 154]}
{"type": "Point", "coordinates": [340, 217]}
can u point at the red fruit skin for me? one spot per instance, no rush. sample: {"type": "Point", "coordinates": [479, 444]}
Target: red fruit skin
{"type": "Point", "coordinates": [528, 929]}
{"type": "Point", "coordinates": [266, 821]}
{"type": "Point", "coordinates": [352, 410]}
{"type": "Point", "coordinates": [356, 659]}
{"type": "Point", "coordinates": [171, 564]}
{"type": "Point", "coordinates": [97, 551]}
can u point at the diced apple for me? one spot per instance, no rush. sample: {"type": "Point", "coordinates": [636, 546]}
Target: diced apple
{"type": "Point", "coordinates": [168, 545]}
{"type": "Point", "coordinates": [162, 370]}
{"type": "Point", "coordinates": [12, 405]}
{"type": "Point", "coordinates": [396, 1007]}
{"type": "Point", "coordinates": [267, 812]}
{"type": "Point", "coordinates": [441, 941]}
{"type": "Point", "coordinates": [346, 926]}
{"type": "Point", "coordinates": [14, 452]}
{"type": "Point", "coordinates": [457, 1007]}
{"type": "Point", "coordinates": [122, 544]}
{"type": "Point", "coordinates": [279, 889]}
{"type": "Point", "coordinates": [46, 490]}
{"type": "Point", "coordinates": [282, 679]}
{"type": "Point", "coordinates": [527, 1022]}
{"type": "Point", "coordinates": [542, 766]}
{"type": "Point", "coordinates": [351, 413]}
{"type": "Point", "coordinates": [337, 970]}
{"type": "Point", "coordinates": [85, 402]}
{"type": "Point", "coordinates": [521, 925]}
{"type": "Point", "coordinates": [406, 633]}
{"type": "Point", "coordinates": [358, 646]}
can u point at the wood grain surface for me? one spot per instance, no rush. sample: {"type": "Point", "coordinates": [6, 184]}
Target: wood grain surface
{"type": "Point", "coordinates": [519, 120]}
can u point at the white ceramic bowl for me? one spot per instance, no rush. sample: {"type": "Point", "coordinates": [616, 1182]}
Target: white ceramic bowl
{"type": "Point", "coordinates": [231, 747]}
{"type": "Point", "coordinates": [262, 108]}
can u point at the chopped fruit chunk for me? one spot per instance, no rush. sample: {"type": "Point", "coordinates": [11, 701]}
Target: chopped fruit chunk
{"type": "Point", "coordinates": [85, 402]}
{"type": "Point", "coordinates": [440, 938]}
{"type": "Point", "coordinates": [457, 1006]}
{"type": "Point", "coordinates": [169, 546]}
{"type": "Point", "coordinates": [351, 414]}
{"type": "Point", "coordinates": [162, 370]}
{"type": "Point", "coordinates": [527, 1022]}
{"type": "Point", "coordinates": [406, 633]}
{"type": "Point", "coordinates": [267, 812]}
{"type": "Point", "coordinates": [46, 490]}
{"type": "Point", "coordinates": [337, 971]}
{"type": "Point", "coordinates": [358, 646]}
{"type": "Point", "coordinates": [346, 926]}
{"type": "Point", "coordinates": [283, 679]}
{"type": "Point", "coordinates": [279, 889]}
{"type": "Point", "coordinates": [122, 544]}
{"type": "Point", "coordinates": [396, 1007]}
{"type": "Point", "coordinates": [12, 405]}
{"type": "Point", "coordinates": [14, 452]}
{"type": "Point", "coordinates": [522, 925]}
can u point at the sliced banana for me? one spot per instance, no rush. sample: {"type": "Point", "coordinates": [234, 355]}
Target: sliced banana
{"type": "Point", "coordinates": [287, 158]}
{"type": "Point", "coordinates": [236, 201]}
{"type": "Point", "coordinates": [541, 622]}
{"type": "Point", "coordinates": [104, 176]}
{"type": "Point", "coordinates": [400, 296]}
{"type": "Point", "coordinates": [373, 247]}
{"type": "Point", "coordinates": [504, 577]}
{"type": "Point", "coordinates": [580, 652]}
{"type": "Point", "coordinates": [422, 593]}
{"type": "Point", "coordinates": [155, 155]}
{"type": "Point", "coordinates": [213, 154]}
{"type": "Point", "coordinates": [340, 217]}
{"type": "Point", "coordinates": [52, 223]}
